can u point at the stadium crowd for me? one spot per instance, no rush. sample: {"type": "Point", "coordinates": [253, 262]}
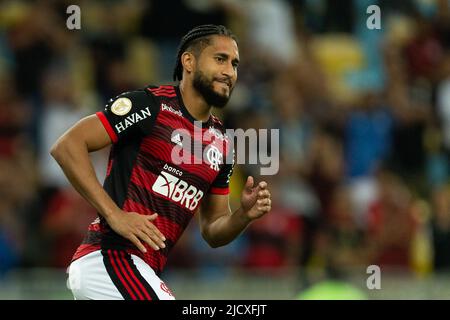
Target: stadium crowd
{"type": "Point", "coordinates": [364, 120]}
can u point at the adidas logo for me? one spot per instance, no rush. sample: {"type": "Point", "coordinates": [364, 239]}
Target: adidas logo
{"type": "Point", "coordinates": [177, 140]}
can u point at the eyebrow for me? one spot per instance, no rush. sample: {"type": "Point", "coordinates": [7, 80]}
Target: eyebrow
{"type": "Point", "coordinates": [226, 56]}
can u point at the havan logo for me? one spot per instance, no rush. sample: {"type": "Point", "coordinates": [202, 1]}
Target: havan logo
{"type": "Point", "coordinates": [132, 119]}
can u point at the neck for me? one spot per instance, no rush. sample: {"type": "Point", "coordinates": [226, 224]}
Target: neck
{"type": "Point", "coordinates": [194, 102]}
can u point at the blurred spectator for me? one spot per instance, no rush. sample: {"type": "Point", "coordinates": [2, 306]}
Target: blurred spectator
{"type": "Point", "coordinates": [421, 250]}
{"type": "Point", "coordinates": [294, 124]}
{"type": "Point", "coordinates": [411, 114]}
{"type": "Point", "coordinates": [11, 233]}
{"type": "Point", "coordinates": [270, 29]}
{"type": "Point", "coordinates": [390, 223]}
{"type": "Point", "coordinates": [443, 100]}
{"type": "Point", "coordinates": [424, 52]}
{"type": "Point", "coordinates": [303, 63]}
{"type": "Point", "coordinates": [64, 225]}
{"type": "Point", "coordinates": [347, 248]}
{"type": "Point", "coordinates": [326, 168]}
{"type": "Point", "coordinates": [59, 114]}
{"type": "Point", "coordinates": [35, 43]}
{"type": "Point", "coordinates": [17, 191]}
{"type": "Point", "coordinates": [15, 117]}
{"type": "Point", "coordinates": [274, 244]}
{"type": "Point", "coordinates": [17, 174]}
{"type": "Point", "coordinates": [220, 264]}
{"type": "Point", "coordinates": [327, 16]}
{"type": "Point", "coordinates": [441, 228]}
{"type": "Point", "coordinates": [367, 136]}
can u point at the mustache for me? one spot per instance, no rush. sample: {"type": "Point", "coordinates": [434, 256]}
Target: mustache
{"type": "Point", "coordinates": [226, 80]}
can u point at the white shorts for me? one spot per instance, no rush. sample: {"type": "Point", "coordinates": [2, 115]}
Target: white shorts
{"type": "Point", "coordinates": [115, 275]}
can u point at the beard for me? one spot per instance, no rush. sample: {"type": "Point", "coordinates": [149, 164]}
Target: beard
{"type": "Point", "coordinates": [205, 87]}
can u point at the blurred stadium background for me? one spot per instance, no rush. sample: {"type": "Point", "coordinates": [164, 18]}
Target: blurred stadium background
{"type": "Point", "coordinates": [364, 119]}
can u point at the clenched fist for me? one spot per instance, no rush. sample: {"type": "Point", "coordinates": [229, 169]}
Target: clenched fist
{"type": "Point", "coordinates": [255, 201]}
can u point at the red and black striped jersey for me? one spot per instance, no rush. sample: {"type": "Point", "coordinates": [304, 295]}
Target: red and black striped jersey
{"type": "Point", "coordinates": [149, 128]}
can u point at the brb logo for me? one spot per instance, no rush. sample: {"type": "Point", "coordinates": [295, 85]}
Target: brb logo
{"type": "Point", "coordinates": [177, 190]}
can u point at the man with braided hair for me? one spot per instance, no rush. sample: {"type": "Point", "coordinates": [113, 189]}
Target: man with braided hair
{"type": "Point", "coordinates": [148, 197]}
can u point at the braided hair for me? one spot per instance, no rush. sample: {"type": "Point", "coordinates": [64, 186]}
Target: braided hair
{"type": "Point", "coordinates": [196, 39]}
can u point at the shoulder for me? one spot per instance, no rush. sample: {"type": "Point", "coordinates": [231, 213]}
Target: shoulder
{"type": "Point", "coordinates": [134, 96]}
{"type": "Point", "coordinates": [167, 91]}
{"type": "Point", "coordinates": [136, 99]}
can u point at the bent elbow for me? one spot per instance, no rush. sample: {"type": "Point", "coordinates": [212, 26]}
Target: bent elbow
{"type": "Point", "coordinates": [57, 149]}
{"type": "Point", "coordinates": [213, 243]}
{"type": "Point", "coordinates": [54, 150]}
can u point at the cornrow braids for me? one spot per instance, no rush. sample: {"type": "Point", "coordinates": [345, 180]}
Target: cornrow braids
{"type": "Point", "coordinates": [197, 35]}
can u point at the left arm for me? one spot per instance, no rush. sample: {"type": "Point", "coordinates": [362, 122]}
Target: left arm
{"type": "Point", "coordinates": [220, 226]}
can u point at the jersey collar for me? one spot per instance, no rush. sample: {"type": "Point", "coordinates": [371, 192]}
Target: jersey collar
{"type": "Point", "coordinates": [184, 110]}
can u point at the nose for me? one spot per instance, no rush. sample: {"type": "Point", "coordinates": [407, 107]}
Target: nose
{"type": "Point", "coordinates": [229, 71]}
{"type": "Point", "coordinates": [230, 74]}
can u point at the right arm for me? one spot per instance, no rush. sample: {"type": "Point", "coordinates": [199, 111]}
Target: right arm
{"type": "Point", "coordinates": [71, 151]}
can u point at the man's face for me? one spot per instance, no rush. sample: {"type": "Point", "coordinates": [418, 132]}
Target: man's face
{"type": "Point", "coordinates": [215, 72]}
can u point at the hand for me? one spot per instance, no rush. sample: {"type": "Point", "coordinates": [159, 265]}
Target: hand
{"type": "Point", "coordinates": [136, 228]}
{"type": "Point", "coordinates": [255, 201]}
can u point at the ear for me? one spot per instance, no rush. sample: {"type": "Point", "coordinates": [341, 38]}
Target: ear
{"type": "Point", "coordinates": [188, 61]}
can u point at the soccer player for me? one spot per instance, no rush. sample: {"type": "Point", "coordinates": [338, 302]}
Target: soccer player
{"type": "Point", "coordinates": [148, 197]}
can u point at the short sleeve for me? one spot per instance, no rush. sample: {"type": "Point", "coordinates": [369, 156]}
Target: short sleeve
{"type": "Point", "coordinates": [221, 184]}
{"type": "Point", "coordinates": [129, 114]}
